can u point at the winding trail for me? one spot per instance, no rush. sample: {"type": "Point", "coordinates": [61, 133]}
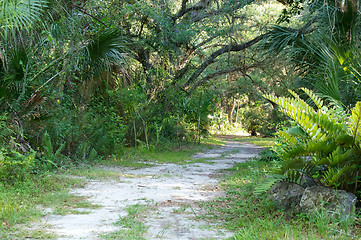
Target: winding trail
{"type": "Point", "coordinates": [172, 190]}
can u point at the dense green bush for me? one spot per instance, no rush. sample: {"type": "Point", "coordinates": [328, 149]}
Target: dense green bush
{"type": "Point", "coordinates": [256, 118]}
{"type": "Point", "coordinates": [15, 164]}
{"type": "Point", "coordinates": [324, 146]}
{"type": "Point", "coordinates": [82, 130]}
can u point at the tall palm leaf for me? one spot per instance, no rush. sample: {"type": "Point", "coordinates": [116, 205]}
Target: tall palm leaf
{"type": "Point", "coordinates": [20, 14]}
{"type": "Point", "coordinates": [17, 17]}
{"type": "Point", "coordinates": [105, 55]}
{"type": "Point", "coordinates": [106, 50]}
{"type": "Point", "coordinates": [326, 59]}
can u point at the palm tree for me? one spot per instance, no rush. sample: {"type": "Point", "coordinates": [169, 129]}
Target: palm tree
{"type": "Point", "coordinates": [17, 17]}
{"type": "Point", "coordinates": [104, 58]}
{"type": "Point", "coordinates": [20, 14]}
{"type": "Point", "coordinates": [326, 57]}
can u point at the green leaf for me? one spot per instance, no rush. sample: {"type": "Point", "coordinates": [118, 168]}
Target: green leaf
{"type": "Point", "coordinates": [355, 122]}
{"type": "Point", "coordinates": [267, 184]}
{"type": "Point", "coordinates": [20, 14]}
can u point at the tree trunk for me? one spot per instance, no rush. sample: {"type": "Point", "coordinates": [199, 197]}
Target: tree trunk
{"type": "Point", "coordinates": [231, 110]}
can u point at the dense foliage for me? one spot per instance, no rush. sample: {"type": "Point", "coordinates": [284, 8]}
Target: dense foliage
{"type": "Point", "coordinates": [324, 147]}
{"type": "Point", "coordinates": [81, 80]}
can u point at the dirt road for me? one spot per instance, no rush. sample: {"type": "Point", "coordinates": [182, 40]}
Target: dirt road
{"type": "Point", "coordinates": [172, 191]}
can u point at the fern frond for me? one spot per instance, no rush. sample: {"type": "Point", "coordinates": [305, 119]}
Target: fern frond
{"type": "Point", "coordinates": [268, 183]}
{"type": "Point", "coordinates": [291, 140]}
{"type": "Point", "coordinates": [296, 174]}
{"type": "Point", "coordinates": [301, 112]}
{"type": "Point", "coordinates": [293, 175]}
{"type": "Point", "coordinates": [328, 124]}
{"type": "Point", "coordinates": [337, 158]}
{"type": "Point", "coordinates": [317, 100]}
{"type": "Point", "coordinates": [309, 168]}
{"type": "Point", "coordinates": [301, 103]}
{"type": "Point", "coordinates": [355, 122]}
{"type": "Point", "coordinates": [58, 152]}
{"type": "Point", "coordinates": [332, 177]}
{"type": "Point", "coordinates": [344, 140]}
{"type": "Point", "coordinates": [308, 148]}
{"type": "Point", "coordinates": [331, 143]}
{"type": "Point", "coordinates": [289, 164]}
{"type": "Point", "coordinates": [297, 132]}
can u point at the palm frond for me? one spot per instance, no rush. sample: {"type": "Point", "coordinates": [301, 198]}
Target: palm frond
{"type": "Point", "coordinates": [105, 51]}
{"type": "Point", "coordinates": [355, 122]}
{"type": "Point", "coordinates": [279, 38]}
{"type": "Point", "coordinates": [20, 14]}
{"type": "Point", "coordinates": [15, 70]}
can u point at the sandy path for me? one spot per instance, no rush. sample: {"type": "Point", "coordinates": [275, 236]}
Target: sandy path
{"type": "Point", "coordinates": [168, 187]}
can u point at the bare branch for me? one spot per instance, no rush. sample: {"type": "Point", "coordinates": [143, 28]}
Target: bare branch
{"type": "Point", "coordinates": [211, 59]}
{"type": "Point", "coordinates": [236, 48]}
{"type": "Point", "coordinates": [213, 75]}
{"type": "Point", "coordinates": [95, 18]}
{"type": "Point", "coordinates": [241, 69]}
{"type": "Point", "coordinates": [184, 10]}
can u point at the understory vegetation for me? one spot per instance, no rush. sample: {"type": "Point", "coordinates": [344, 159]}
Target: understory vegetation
{"type": "Point", "coordinates": [118, 81]}
{"type": "Point", "coordinates": [253, 216]}
{"type": "Point", "coordinates": [24, 202]}
{"type": "Point", "coordinates": [324, 145]}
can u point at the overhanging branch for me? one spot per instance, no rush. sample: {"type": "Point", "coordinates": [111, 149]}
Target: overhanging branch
{"type": "Point", "coordinates": [213, 75]}
{"type": "Point", "coordinates": [232, 48]}
{"type": "Point", "coordinates": [219, 52]}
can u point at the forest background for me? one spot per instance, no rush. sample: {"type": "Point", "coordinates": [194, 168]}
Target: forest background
{"type": "Point", "coordinates": [83, 80]}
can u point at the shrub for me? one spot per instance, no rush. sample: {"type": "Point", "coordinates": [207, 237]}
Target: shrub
{"type": "Point", "coordinates": [325, 145]}
{"type": "Point", "coordinates": [260, 118]}
{"type": "Point", "coordinates": [14, 165]}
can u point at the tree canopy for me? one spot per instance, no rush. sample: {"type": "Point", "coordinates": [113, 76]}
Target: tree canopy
{"type": "Point", "coordinates": [98, 75]}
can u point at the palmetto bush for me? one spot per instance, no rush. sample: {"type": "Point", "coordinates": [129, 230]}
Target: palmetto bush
{"type": "Point", "coordinates": [20, 14]}
{"type": "Point", "coordinates": [14, 163]}
{"type": "Point", "coordinates": [324, 146]}
{"type": "Point", "coordinates": [17, 20]}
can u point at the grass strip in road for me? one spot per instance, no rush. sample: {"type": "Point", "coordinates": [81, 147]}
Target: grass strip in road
{"type": "Point", "coordinates": [142, 157]}
{"type": "Point", "coordinates": [131, 226]}
{"type": "Point", "coordinates": [259, 141]}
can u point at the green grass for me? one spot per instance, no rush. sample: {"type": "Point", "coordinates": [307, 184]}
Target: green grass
{"type": "Point", "coordinates": [20, 201]}
{"type": "Point", "coordinates": [98, 172]}
{"type": "Point", "coordinates": [142, 157]}
{"type": "Point", "coordinates": [259, 141]}
{"type": "Point", "coordinates": [213, 141]}
{"type": "Point", "coordinates": [64, 203]}
{"type": "Point", "coordinates": [131, 226]}
{"type": "Point", "coordinates": [255, 217]}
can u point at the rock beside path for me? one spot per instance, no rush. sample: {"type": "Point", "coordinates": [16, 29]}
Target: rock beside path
{"type": "Point", "coordinates": [335, 202]}
{"type": "Point", "coordinates": [286, 195]}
